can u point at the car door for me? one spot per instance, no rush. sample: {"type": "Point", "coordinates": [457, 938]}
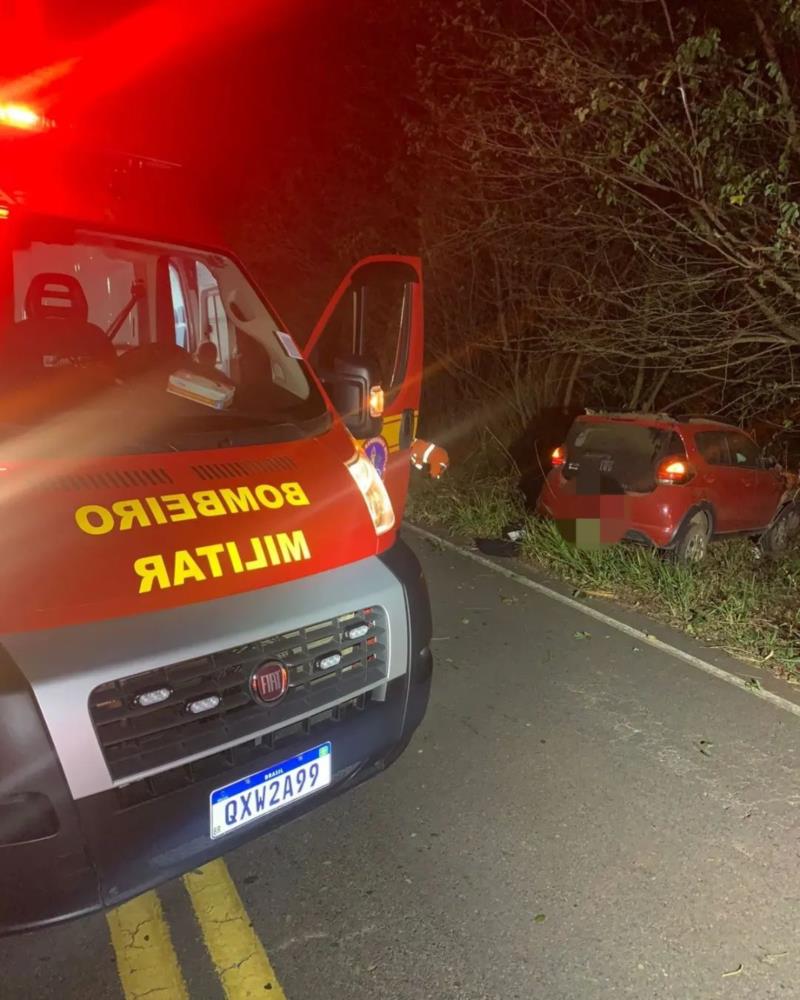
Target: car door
{"type": "Point", "coordinates": [376, 315]}
{"type": "Point", "coordinates": [718, 482]}
{"type": "Point", "coordinates": [761, 488]}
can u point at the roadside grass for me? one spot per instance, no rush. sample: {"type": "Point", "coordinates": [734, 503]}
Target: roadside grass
{"type": "Point", "coordinates": [747, 606]}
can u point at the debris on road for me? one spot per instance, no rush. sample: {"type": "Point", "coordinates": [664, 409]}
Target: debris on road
{"type": "Point", "coordinates": [704, 746]}
{"type": "Point", "coordinates": [770, 957]}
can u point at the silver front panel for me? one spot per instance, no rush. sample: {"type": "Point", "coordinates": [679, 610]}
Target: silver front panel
{"type": "Point", "coordinates": [64, 665]}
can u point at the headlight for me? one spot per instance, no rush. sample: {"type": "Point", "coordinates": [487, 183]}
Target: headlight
{"type": "Point", "coordinates": [373, 491]}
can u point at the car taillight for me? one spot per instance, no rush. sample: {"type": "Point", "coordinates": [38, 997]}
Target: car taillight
{"type": "Point", "coordinates": [558, 456]}
{"type": "Point", "coordinates": [673, 471]}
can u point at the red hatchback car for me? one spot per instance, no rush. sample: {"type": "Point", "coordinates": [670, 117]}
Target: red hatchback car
{"type": "Point", "coordinates": [672, 484]}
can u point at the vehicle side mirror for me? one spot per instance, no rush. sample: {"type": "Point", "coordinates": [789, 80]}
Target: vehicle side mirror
{"type": "Point", "coordinates": [348, 384]}
{"type": "Point", "coordinates": [769, 462]}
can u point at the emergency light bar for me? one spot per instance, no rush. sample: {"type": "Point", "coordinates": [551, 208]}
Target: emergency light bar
{"type": "Point", "coordinates": [76, 174]}
{"type": "Point", "coordinates": [21, 116]}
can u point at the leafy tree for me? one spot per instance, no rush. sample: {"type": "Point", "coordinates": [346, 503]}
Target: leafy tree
{"type": "Point", "coordinates": [611, 206]}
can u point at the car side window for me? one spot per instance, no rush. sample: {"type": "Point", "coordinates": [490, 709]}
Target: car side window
{"type": "Point", "coordinates": [744, 452]}
{"type": "Point", "coordinates": [713, 446]}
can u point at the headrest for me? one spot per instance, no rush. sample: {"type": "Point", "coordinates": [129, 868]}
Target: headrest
{"type": "Point", "coordinates": [56, 296]}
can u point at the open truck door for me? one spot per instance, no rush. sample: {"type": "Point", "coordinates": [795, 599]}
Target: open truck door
{"type": "Point", "coordinates": [367, 349]}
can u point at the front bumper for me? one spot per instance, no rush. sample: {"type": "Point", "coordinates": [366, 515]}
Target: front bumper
{"type": "Point", "coordinates": [103, 853]}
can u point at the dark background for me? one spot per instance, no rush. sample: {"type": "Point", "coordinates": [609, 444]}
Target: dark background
{"type": "Point", "coordinates": [289, 113]}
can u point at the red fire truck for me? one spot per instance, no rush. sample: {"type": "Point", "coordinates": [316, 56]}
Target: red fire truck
{"type": "Point", "coordinates": [209, 622]}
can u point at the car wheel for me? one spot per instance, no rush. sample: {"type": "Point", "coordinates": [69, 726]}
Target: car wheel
{"type": "Point", "coordinates": [777, 537]}
{"type": "Point", "coordinates": [693, 545]}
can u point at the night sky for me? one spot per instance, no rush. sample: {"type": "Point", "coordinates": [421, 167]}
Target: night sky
{"type": "Point", "coordinates": [288, 84]}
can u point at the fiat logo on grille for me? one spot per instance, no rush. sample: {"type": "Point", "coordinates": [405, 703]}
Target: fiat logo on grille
{"type": "Point", "coordinates": [269, 682]}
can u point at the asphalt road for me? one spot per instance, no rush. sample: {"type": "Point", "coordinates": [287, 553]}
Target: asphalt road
{"type": "Point", "coordinates": [578, 818]}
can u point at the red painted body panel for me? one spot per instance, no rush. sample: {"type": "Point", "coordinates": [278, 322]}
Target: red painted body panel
{"type": "Point", "coordinates": [55, 573]}
{"type": "Point", "coordinates": [658, 515]}
{"type": "Point", "coordinates": [739, 499]}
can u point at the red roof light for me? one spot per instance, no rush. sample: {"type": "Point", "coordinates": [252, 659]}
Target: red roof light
{"type": "Point", "coordinates": [21, 116]}
{"type": "Point", "coordinates": [558, 457]}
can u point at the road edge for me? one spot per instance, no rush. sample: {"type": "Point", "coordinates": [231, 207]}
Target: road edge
{"type": "Point", "coordinates": [734, 672]}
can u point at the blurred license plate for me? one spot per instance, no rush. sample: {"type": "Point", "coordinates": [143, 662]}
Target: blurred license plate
{"type": "Point", "coordinates": [266, 791]}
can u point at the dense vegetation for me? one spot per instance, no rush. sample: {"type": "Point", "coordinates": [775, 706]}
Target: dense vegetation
{"type": "Point", "coordinates": [605, 194]}
{"type": "Point", "coordinates": [617, 218]}
{"type": "Point", "coordinates": [733, 600]}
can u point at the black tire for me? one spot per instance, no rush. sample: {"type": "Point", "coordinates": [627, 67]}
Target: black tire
{"type": "Point", "coordinates": [778, 536]}
{"type": "Point", "coordinates": [693, 544]}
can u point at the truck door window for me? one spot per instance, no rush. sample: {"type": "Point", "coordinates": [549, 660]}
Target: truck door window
{"type": "Point", "coordinates": [372, 322]}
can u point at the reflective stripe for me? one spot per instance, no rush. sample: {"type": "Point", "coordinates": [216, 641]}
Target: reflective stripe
{"type": "Point", "coordinates": [427, 453]}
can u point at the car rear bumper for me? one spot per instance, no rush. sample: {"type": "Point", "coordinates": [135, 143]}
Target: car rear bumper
{"type": "Point", "coordinates": [95, 852]}
{"type": "Point", "coordinates": [652, 518]}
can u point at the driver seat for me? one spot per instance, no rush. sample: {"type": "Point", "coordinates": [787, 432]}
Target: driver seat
{"type": "Point", "coordinates": [56, 330]}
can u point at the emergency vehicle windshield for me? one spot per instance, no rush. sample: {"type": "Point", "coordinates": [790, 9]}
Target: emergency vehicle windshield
{"type": "Point", "coordinates": [112, 345]}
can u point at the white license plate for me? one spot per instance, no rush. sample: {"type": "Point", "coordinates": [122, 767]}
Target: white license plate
{"type": "Point", "coordinates": [263, 793]}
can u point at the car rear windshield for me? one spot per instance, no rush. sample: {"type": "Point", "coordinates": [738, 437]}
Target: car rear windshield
{"type": "Point", "coordinates": [617, 456]}
{"type": "Point", "coordinates": [112, 344]}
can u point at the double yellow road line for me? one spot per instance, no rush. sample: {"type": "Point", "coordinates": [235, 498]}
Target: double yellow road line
{"type": "Point", "coordinates": [146, 958]}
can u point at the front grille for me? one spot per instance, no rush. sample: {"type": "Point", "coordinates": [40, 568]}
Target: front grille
{"type": "Point", "coordinates": [216, 764]}
{"type": "Point", "coordinates": [135, 739]}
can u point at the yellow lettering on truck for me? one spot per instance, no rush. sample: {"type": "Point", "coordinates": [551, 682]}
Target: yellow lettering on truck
{"type": "Point", "coordinates": [216, 560]}
{"type": "Point", "coordinates": [123, 515]}
{"type": "Point", "coordinates": [293, 548]}
{"type": "Point", "coordinates": [209, 503]}
{"type": "Point", "coordinates": [151, 570]}
{"type": "Point", "coordinates": [179, 507]}
{"type": "Point", "coordinates": [129, 511]}
{"type": "Point", "coordinates": [294, 494]}
{"type": "Point", "coordinates": [269, 496]}
{"type": "Point", "coordinates": [240, 499]}
{"type": "Point", "coordinates": [94, 519]}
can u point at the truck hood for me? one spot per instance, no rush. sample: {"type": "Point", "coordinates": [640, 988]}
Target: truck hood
{"type": "Point", "coordinates": [128, 535]}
